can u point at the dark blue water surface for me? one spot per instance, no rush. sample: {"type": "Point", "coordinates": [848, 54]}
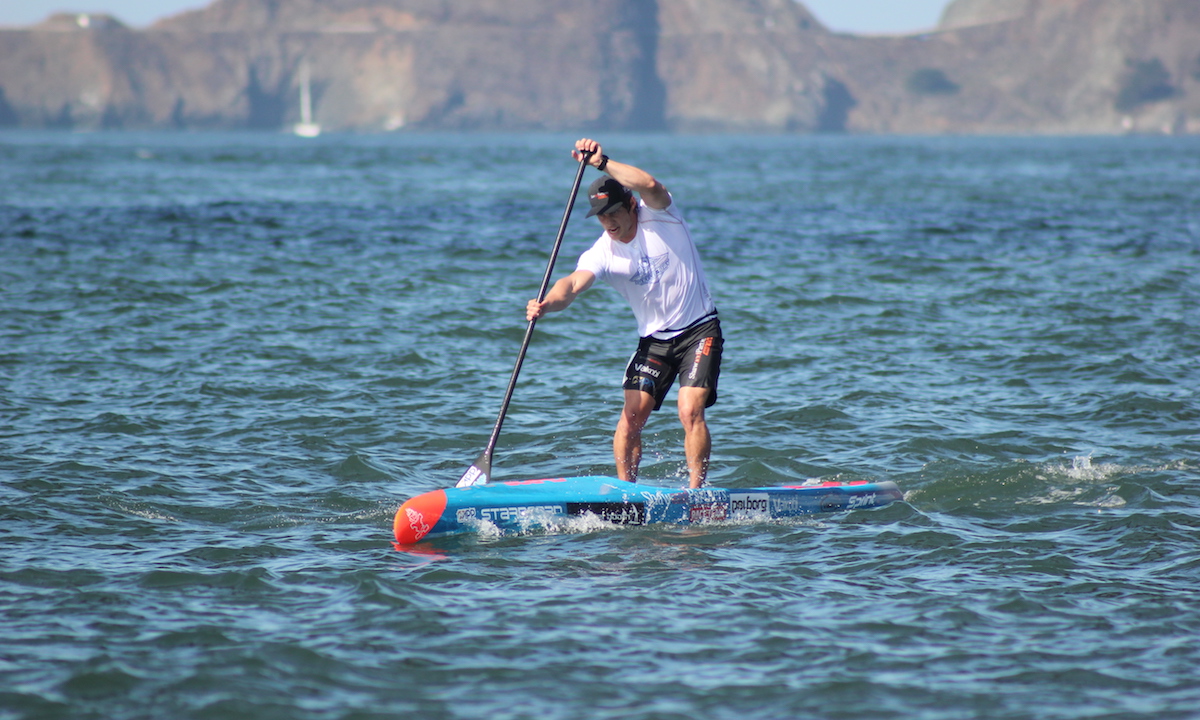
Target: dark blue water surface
{"type": "Point", "coordinates": [225, 360]}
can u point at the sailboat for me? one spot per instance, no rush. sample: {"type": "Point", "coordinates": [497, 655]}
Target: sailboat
{"type": "Point", "coordinates": [306, 127]}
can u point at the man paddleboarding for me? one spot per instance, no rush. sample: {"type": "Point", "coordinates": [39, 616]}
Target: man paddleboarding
{"type": "Point", "coordinates": [647, 255]}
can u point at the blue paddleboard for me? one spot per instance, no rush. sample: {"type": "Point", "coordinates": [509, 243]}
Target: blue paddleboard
{"type": "Point", "coordinates": [546, 503]}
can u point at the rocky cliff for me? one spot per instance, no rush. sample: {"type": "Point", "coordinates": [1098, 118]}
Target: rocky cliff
{"type": "Point", "coordinates": [375, 65]}
{"type": "Point", "coordinates": [992, 66]}
{"type": "Point", "coordinates": [1045, 66]}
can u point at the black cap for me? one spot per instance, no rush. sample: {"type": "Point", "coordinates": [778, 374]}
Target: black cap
{"type": "Point", "coordinates": [606, 194]}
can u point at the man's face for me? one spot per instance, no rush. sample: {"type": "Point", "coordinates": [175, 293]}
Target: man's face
{"type": "Point", "coordinates": [620, 223]}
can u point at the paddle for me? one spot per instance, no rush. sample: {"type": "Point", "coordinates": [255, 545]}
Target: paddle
{"type": "Point", "coordinates": [481, 470]}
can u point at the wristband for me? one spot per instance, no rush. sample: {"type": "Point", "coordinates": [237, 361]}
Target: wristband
{"type": "Point", "coordinates": [603, 163]}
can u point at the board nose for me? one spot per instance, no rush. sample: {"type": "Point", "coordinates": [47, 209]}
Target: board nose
{"type": "Point", "coordinates": [418, 516]}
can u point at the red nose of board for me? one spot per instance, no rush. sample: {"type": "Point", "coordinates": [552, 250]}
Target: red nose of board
{"type": "Point", "coordinates": [417, 517]}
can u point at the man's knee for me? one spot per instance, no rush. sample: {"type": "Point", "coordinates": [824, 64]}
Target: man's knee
{"type": "Point", "coordinates": [692, 402]}
{"type": "Point", "coordinates": [637, 409]}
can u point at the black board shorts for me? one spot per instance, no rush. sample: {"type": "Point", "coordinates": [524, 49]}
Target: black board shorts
{"type": "Point", "coordinates": [694, 356]}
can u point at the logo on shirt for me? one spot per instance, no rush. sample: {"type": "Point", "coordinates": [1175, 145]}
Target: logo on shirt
{"type": "Point", "coordinates": [650, 269]}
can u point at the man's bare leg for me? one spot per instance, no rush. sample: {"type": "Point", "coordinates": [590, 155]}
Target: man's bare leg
{"type": "Point", "coordinates": [627, 441]}
{"type": "Point", "coordinates": [697, 443]}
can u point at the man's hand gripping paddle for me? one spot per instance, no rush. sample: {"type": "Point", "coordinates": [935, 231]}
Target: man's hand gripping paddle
{"type": "Point", "coordinates": [481, 470]}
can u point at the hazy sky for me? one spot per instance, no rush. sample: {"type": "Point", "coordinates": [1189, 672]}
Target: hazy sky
{"type": "Point", "coordinates": [858, 16]}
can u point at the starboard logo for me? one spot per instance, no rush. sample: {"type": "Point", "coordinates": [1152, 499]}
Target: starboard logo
{"type": "Point", "coordinates": [510, 514]}
{"type": "Point", "coordinates": [416, 521]}
{"type": "Point", "coordinates": [702, 350]}
{"type": "Point", "coordinates": [745, 505]}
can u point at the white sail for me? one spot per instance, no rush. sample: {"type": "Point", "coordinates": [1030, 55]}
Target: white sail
{"type": "Point", "coordinates": [306, 127]}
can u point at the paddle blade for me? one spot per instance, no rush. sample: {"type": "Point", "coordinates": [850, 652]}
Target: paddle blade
{"type": "Point", "coordinates": [478, 474]}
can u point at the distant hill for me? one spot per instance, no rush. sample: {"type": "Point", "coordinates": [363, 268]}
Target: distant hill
{"type": "Point", "coordinates": [992, 66]}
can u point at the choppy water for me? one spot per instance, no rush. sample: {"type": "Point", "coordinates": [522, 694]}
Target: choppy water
{"type": "Point", "coordinates": [226, 359]}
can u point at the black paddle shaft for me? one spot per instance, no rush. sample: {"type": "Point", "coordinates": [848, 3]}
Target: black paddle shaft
{"type": "Point", "coordinates": [481, 470]}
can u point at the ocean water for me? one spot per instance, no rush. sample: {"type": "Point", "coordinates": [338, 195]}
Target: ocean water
{"type": "Point", "coordinates": [225, 360]}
